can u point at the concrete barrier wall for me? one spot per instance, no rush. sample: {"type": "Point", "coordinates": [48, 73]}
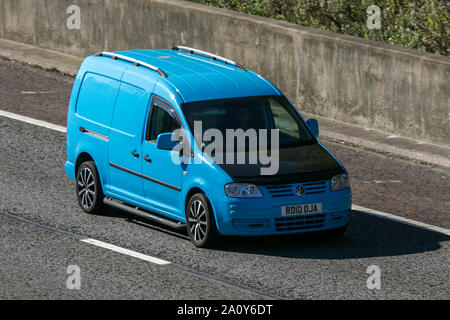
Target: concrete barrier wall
{"type": "Point", "coordinates": [340, 77]}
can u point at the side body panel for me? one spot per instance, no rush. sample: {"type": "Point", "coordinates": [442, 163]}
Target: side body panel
{"type": "Point", "coordinates": [127, 133]}
{"type": "Point", "coordinates": [162, 184]}
{"type": "Point", "coordinates": [96, 84]}
{"type": "Point", "coordinates": [125, 141]}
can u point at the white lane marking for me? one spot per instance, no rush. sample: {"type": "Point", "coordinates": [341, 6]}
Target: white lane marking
{"type": "Point", "coordinates": [125, 251]}
{"type": "Point", "coordinates": [392, 136]}
{"type": "Point", "coordinates": [34, 92]}
{"type": "Point", "coordinates": [381, 181]}
{"type": "Point", "coordinates": [403, 220]}
{"type": "Point", "coordinates": [36, 122]}
{"type": "Point", "coordinates": [354, 207]}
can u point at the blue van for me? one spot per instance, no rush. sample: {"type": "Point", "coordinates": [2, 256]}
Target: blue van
{"type": "Point", "coordinates": [123, 112]}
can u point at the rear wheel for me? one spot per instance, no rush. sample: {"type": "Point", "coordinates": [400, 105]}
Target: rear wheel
{"type": "Point", "coordinates": [201, 225]}
{"type": "Point", "coordinates": [88, 188]}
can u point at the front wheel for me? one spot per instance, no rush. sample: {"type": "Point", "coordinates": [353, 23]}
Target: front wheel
{"type": "Point", "coordinates": [201, 225]}
{"type": "Point", "coordinates": [88, 188]}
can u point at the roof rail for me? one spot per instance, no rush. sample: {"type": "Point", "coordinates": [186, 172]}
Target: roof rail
{"type": "Point", "coordinates": [136, 62]}
{"type": "Point", "coordinates": [209, 55]}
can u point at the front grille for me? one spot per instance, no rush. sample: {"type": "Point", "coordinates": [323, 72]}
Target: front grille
{"type": "Point", "coordinates": [315, 187]}
{"type": "Point", "coordinates": [315, 221]}
{"type": "Point", "coordinates": [284, 190]}
{"type": "Point", "coordinates": [287, 190]}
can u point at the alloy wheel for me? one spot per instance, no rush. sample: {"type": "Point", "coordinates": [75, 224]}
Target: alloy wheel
{"type": "Point", "coordinates": [197, 220]}
{"type": "Point", "coordinates": [86, 187]}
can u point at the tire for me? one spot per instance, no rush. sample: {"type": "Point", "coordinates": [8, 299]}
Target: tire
{"type": "Point", "coordinates": [201, 225]}
{"type": "Point", "coordinates": [89, 189]}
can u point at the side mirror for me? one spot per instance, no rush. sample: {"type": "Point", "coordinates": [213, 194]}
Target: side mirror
{"type": "Point", "coordinates": [164, 141]}
{"type": "Point", "coordinates": [314, 126]}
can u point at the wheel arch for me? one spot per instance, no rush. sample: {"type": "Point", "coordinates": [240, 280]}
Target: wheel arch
{"type": "Point", "coordinates": [193, 190]}
{"type": "Point", "coordinates": [84, 156]}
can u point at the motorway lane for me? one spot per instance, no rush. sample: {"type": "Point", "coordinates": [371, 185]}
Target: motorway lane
{"type": "Point", "coordinates": [414, 262]}
{"type": "Point", "coordinates": [34, 265]}
{"type": "Point", "coordinates": [34, 92]}
{"type": "Point", "coordinates": [381, 182]}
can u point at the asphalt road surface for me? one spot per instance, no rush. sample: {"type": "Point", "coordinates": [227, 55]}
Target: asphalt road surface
{"type": "Point", "coordinates": [41, 226]}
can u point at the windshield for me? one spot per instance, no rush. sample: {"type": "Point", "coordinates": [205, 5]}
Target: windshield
{"type": "Point", "coordinates": [267, 112]}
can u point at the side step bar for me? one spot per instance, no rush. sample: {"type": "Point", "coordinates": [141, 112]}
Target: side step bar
{"type": "Point", "coordinates": [144, 214]}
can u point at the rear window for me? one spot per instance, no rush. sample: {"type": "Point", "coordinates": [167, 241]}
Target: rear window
{"type": "Point", "coordinates": [96, 98]}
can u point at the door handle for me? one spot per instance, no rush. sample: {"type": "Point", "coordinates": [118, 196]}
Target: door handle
{"type": "Point", "coordinates": [135, 154]}
{"type": "Point", "coordinates": [146, 158]}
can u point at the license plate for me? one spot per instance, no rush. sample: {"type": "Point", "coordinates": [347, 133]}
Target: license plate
{"type": "Point", "coordinates": [297, 209]}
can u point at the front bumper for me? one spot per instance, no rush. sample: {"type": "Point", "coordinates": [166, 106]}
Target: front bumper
{"type": "Point", "coordinates": [262, 216]}
{"type": "Point", "coordinates": [70, 170]}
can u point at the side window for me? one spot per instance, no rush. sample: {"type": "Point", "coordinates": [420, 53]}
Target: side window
{"type": "Point", "coordinates": [283, 119]}
{"type": "Point", "coordinates": [161, 121]}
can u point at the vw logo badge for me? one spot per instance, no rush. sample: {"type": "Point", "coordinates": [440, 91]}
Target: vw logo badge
{"type": "Point", "coordinates": [299, 190]}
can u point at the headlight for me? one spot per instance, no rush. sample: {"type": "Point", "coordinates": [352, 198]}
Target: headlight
{"type": "Point", "coordinates": [339, 182]}
{"type": "Point", "coordinates": [242, 190]}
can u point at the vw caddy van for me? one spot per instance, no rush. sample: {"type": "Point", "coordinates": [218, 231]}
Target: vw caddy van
{"type": "Point", "coordinates": [123, 113]}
